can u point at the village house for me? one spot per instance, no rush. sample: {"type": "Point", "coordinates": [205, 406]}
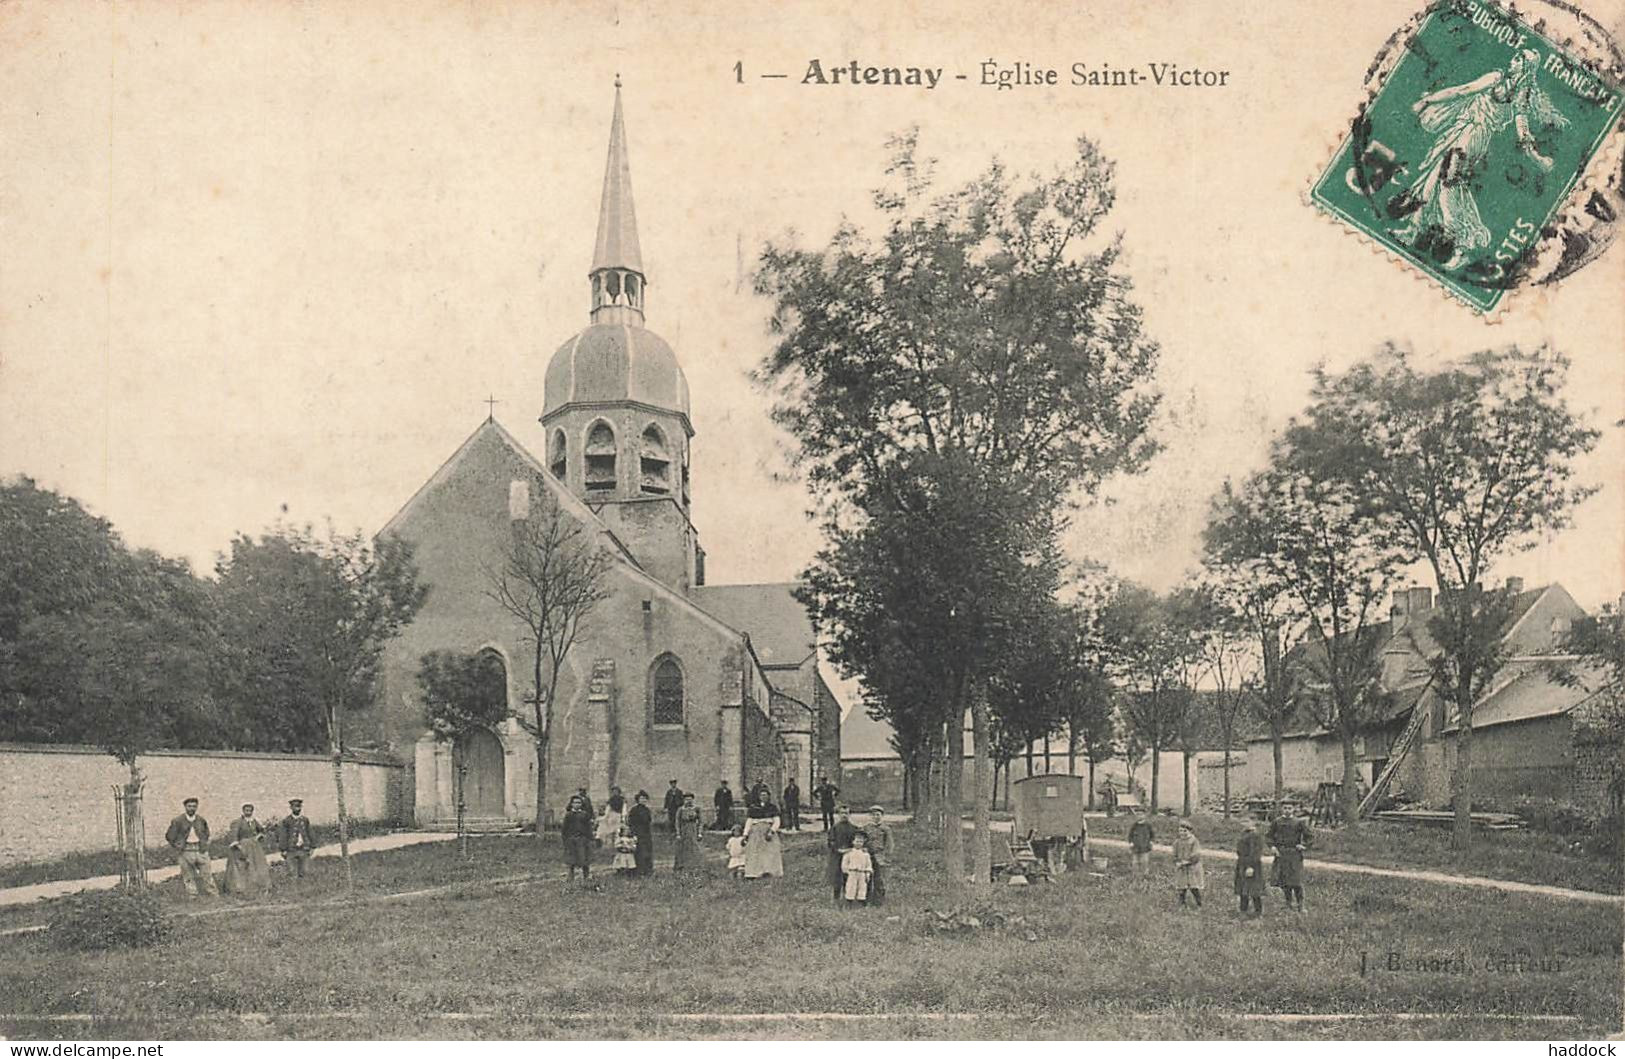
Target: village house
{"type": "Point", "coordinates": [1525, 742]}
{"type": "Point", "coordinates": [670, 678]}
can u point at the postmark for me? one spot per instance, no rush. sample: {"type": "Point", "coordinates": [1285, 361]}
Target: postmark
{"type": "Point", "coordinates": [1481, 156]}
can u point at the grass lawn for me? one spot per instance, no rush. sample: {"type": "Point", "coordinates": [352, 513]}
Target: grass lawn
{"type": "Point", "coordinates": [701, 955]}
{"type": "Point", "coordinates": [1521, 856]}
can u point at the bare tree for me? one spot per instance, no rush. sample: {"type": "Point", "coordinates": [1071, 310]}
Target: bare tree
{"type": "Point", "coordinates": [553, 573]}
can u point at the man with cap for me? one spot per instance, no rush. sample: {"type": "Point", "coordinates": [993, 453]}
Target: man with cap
{"type": "Point", "coordinates": [880, 852]}
{"type": "Point", "coordinates": [296, 839]}
{"type": "Point", "coordinates": [826, 792]}
{"type": "Point", "coordinates": [674, 802]}
{"type": "Point", "coordinates": [188, 836]}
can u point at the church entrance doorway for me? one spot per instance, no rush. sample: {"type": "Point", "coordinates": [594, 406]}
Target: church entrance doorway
{"type": "Point", "coordinates": [485, 783]}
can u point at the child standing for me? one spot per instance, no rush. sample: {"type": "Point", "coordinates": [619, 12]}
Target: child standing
{"type": "Point", "coordinates": [1189, 876]}
{"type": "Point", "coordinates": [736, 852]}
{"type": "Point", "coordinates": [1250, 869]}
{"type": "Point", "coordinates": [1139, 840]}
{"type": "Point", "coordinates": [626, 848]}
{"type": "Point", "coordinates": [858, 866]}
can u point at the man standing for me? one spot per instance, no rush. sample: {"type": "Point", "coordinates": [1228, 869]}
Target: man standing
{"type": "Point", "coordinates": [792, 806]}
{"type": "Point", "coordinates": [295, 839]}
{"type": "Point", "coordinates": [1289, 836]}
{"type": "Point", "coordinates": [880, 851]}
{"type": "Point", "coordinates": [723, 802]}
{"type": "Point", "coordinates": [188, 836]}
{"type": "Point", "coordinates": [674, 802]}
{"type": "Point", "coordinates": [826, 792]}
{"type": "Point", "coordinates": [838, 836]}
{"type": "Point", "coordinates": [1140, 837]}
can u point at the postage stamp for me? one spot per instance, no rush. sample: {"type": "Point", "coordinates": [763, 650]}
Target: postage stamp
{"type": "Point", "coordinates": [1469, 147]}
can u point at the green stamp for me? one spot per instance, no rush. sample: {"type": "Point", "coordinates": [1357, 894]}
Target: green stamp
{"type": "Point", "coordinates": [1468, 149]}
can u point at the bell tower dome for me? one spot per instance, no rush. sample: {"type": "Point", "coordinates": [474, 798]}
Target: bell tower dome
{"type": "Point", "coordinates": [615, 401]}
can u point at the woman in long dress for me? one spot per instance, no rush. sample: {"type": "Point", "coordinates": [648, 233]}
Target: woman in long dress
{"type": "Point", "coordinates": [609, 824]}
{"type": "Point", "coordinates": [576, 832]}
{"type": "Point", "coordinates": [246, 869]}
{"type": "Point", "coordinates": [688, 836]}
{"type": "Point", "coordinates": [1466, 118]}
{"type": "Point", "coordinates": [764, 853]}
{"type": "Point", "coordinates": [641, 822]}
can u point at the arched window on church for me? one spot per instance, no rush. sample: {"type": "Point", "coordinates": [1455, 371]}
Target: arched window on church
{"type": "Point", "coordinates": [558, 455]}
{"type": "Point", "coordinates": [655, 463]}
{"type": "Point", "coordinates": [666, 693]}
{"type": "Point", "coordinates": [600, 458]}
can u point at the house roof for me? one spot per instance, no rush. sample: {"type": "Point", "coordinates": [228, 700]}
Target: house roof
{"type": "Point", "coordinates": [1525, 691]}
{"type": "Point", "coordinates": [777, 624]}
{"type": "Point", "coordinates": [865, 739]}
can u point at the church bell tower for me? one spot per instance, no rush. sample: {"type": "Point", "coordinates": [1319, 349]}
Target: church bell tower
{"type": "Point", "coordinates": [616, 403]}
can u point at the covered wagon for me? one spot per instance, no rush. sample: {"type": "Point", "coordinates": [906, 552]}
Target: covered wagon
{"type": "Point", "coordinates": [1049, 818]}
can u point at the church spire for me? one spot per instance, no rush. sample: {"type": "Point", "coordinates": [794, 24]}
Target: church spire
{"type": "Point", "coordinates": [617, 264]}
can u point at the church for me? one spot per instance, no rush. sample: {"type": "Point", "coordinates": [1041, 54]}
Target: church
{"type": "Point", "coordinates": [670, 678]}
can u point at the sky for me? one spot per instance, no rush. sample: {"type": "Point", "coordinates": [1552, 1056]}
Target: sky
{"type": "Point", "coordinates": [263, 256]}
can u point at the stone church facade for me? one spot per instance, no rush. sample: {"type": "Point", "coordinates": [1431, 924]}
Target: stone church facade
{"type": "Point", "coordinates": [669, 678]}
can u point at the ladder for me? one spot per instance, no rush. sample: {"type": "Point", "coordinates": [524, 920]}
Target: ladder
{"type": "Point", "coordinates": [1396, 757]}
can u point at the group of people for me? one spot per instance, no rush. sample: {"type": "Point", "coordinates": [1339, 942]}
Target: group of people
{"type": "Point", "coordinates": [855, 866]}
{"type": "Point", "coordinates": [722, 803]}
{"type": "Point", "coordinates": [1287, 839]}
{"type": "Point", "coordinates": [248, 870]}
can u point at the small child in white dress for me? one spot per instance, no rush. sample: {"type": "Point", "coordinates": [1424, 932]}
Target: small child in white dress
{"type": "Point", "coordinates": [626, 848]}
{"type": "Point", "coordinates": [736, 852]}
{"type": "Point", "coordinates": [858, 867]}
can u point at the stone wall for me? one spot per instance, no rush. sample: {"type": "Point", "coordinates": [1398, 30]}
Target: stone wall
{"type": "Point", "coordinates": [59, 799]}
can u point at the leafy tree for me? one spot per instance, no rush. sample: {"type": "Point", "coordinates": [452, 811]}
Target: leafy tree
{"type": "Point", "coordinates": [1317, 540]}
{"type": "Point", "coordinates": [1230, 653]}
{"type": "Point", "coordinates": [1092, 727]}
{"type": "Point", "coordinates": [1463, 464]}
{"type": "Point", "coordinates": [58, 561]}
{"type": "Point", "coordinates": [315, 614]}
{"type": "Point", "coordinates": [1257, 594]}
{"type": "Point", "coordinates": [1598, 644]}
{"type": "Point", "coordinates": [552, 575]}
{"type": "Point", "coordinates": [462, 694]}
{"type": "Point", "coordinates": [977, 363]}
{"type": "Point", "coordinates": [1151, 641]}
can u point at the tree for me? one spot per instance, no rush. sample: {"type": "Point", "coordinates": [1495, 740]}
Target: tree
{"type": "Point", "coordinates": [553, 573]}
{"type": "Point", "coordinates": [462, 694]}
{"type": "Point", "coordinates": [1597, 646]}
{"type": "Point", "coordinates": [1464, 465]}
{"type": "Point", "coordinates": [979, 363]}
{"type": "Point", "coordinates": [1151, 642]}
{"type": "Point", "coordinates": [133, 671]}
{"type": "Point", "coordinates": [1230, 653]}
{"type": "Point", "coordinates": [1256, 591]}
{"type": "Point", "coordinates": [1316, 539]}
{"type": "Point", "coordinates": [314, 614]}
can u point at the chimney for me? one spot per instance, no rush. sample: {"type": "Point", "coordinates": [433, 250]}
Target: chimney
{"type": "Point", "coordinates": [1514, 585]}
{"type": "Point", "coordinates": [1399, 608]}
{"type": "Point", "coordinates": [1421, 599]}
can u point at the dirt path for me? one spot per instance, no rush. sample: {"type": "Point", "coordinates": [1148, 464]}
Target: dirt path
{"type": "Point", "coordinates": [25, 895]}
{"type": "Point", "coordinates": [1418, 875]}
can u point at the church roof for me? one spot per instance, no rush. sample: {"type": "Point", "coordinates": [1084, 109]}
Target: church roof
{"type": "Point", "coordinates": [778, 626]}
{"type": "Point", "coordinates": [617, 245]}
{"type": "Point", "coordinates": [613, 363]}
